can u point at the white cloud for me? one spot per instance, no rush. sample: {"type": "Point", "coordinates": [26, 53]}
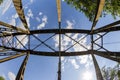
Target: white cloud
{"type": "Point", "coordinates": [15, 16]}
{"type": "Point", "coordinates": [31, 1]}
{"type": "Point", "coordinates": [83, 59]}
{"type": "Point", "coordinates": [40, 26]}
{"type": "Point", "coordinates": [28, 17]}
{"type": "Point", "coordinates": [75, 36]}
{"type": "Point", "coordinates": [11, 76]}
{"type": "Point", "coordinates": [29, 13]}
{"type": "Point", "coordinates": [73, 62]}
{"type": "Point", "coordinates": [44, 22]}
{"type": "Point", "coordinates": [62, 58]}
{"type": "Point", "coordinates": [6, 6]}
{"type": "Point", "coordinates": [27, 4]}
{"type": "Point", "coordinates": [44, 19]}
{"type": "Point", "coordinates": [56, 39]}
{"type": "Point", "coordinates": [69, 24]}
{"type": "Point", "coordinates": [40, 13]}
{"type": "Point", "coordinates": [38, 19]}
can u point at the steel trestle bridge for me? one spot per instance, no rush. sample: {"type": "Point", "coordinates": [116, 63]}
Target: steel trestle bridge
{"type": "Point", "coordinates": [11, 51]}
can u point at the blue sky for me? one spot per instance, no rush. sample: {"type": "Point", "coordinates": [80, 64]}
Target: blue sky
{"type": "Point", "coordinates": [42, 14]}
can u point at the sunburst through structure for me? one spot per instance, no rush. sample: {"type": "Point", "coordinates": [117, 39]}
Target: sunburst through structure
{"type": "Point", "coordinates": [17, 41]}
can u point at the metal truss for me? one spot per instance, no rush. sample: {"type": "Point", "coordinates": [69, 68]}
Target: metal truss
{"type": "Point", "coordinates": [10, 33]}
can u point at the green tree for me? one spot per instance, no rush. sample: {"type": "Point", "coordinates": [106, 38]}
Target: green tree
{"type": "Point", "coordinates": [1, 1]}
{"type": "Point", "coordinates": [111, 73]}
{"type": "Point", "coordinates": [2, 78]}
{"type": "Point", "coordinates": [88, 7]}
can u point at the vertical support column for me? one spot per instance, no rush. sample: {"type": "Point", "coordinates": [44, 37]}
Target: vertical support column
{"type": "Point", "coordinates": [13, 42]}
{"type": "Point", "coordinates": [97, 69]}
{"type": "Point", "coordinates": [3, 43]}
{"type": "Point", "coordinates": [59, 24]}
{"type": "Point", "coordinates": [29, 41]}
{"type": "Point", "coordinates": [59, 64]}
{"type": "Point", "coordinates": [92, 42]}
{"type": "Point", "coordinates": [20, 75]}
{"type": "Point", "coordinates": [102, 41]}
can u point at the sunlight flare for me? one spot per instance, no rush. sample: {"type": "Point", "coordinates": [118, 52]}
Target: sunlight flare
{"type": "Point", "coordinates": [87, 75]}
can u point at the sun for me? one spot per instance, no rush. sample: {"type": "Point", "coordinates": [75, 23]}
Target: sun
{"type": "Point", "coordinates": [87, 75]}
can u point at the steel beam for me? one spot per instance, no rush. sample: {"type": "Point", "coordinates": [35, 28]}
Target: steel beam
{"type": "Point", "coordinates": [109, 27]}
{"type": "Point", "coordinates": [5, 29]}
{"type": "Point", "coordinates": [3, 50]}
{"type": "Point", "coordinates": [63, 31]}
{"type": "Point", "coordinates": [97, 69]}
{"type": "Point", "coordinates": [59, 9]}
{"type": "Point", "coordinates": [51, 31]}
{"type": "Point", "coordinates": [77, 42]}
{"type": "Point", "coordinates": [44, 43]}
{"type": "Point", "coordinates": [13, 27]}
{"type": "Point", "coordinates": [114, 28]}
{"type": "Point", "coordinates": [20, 11]}
{"type": "Point", "coordinates": [99, 9]}
{"type": "Point", "coordinates": [109, 55]}
{"type": "Point", "coordinates": [3, 33]}
{"type": "Point", "coordinates": [59, 24]}
{"type": "Point", "coordinates": [42, 53]}
{"type": "Point", "coordinates": [20, 75]}
{"type": "Point", "coordinates": [8, 53]}
{"type": "Point", "coordinates": [115, 54]}
{"type": "Point", "coordinates": [11, 57]}
{"type": "Point", "coordinates": [54, 54]}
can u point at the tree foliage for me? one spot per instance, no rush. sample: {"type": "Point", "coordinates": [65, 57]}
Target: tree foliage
{"type": "Point", "coordinates": [111, 73]}
{"type": "Point", "coordinates": [2, 78]}
{"type": "Point", "coordinates": [1, 1]}
{"type": "Point", "coordinates": [88, 7]}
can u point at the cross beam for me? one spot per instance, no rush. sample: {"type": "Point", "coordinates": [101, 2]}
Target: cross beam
{"type": "Point", "coordinates": [50, 31]}
{"type": "Point", "coordinates": [11, 57]}
{"type": "Point", "coordinates": [20, 11]}
{"type": "Point", "coordinates": [13, 27]}
{"type": "Point", "coordinates": [56, 54]}
{"type": "Point", "coordinates": [109, 27]}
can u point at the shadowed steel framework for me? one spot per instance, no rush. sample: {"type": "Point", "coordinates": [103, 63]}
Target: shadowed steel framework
{"type": "Point", "coordinates": [13, 52]}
